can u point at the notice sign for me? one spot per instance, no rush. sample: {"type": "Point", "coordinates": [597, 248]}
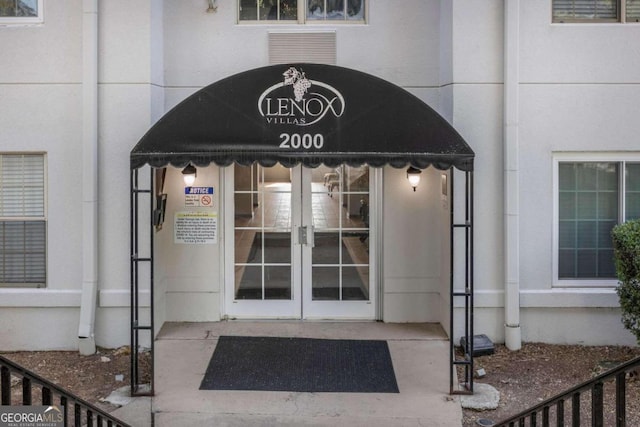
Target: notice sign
{"type": "Point", "coordinates": [195, 228]}
{"type": "Point", "coordinates": [198, 197]}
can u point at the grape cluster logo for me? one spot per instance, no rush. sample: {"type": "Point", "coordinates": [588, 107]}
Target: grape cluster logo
{"type": "Point", "coordinates": [310, 102]}
{"type": "Point", "coordinates": [298, 80]}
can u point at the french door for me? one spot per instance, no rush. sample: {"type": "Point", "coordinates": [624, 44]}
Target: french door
{"type": "Point", "coordinates": [301, 243]}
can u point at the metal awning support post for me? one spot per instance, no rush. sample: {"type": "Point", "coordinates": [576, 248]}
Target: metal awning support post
{"type": "Point", "coordinates": [467, 293]}
{"type": "Point", "coordinates": [136, 324]}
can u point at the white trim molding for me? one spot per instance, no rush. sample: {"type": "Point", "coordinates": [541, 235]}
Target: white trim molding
{"type": "Point", "coordinates": [43, 297]}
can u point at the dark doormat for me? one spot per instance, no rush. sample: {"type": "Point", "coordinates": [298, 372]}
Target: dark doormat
{"type": "Point", "coordinates": [301, 365]}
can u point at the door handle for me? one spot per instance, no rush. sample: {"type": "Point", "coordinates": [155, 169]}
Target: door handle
{"type": "Point", "coordinates": [312, 237]}
{"type": "Point", "coordinates": [302, 235]}
{"type": "Point", "coordinates": [306, 238]}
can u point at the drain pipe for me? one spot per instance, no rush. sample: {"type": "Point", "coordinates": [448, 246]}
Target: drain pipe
{"type": "Point", "coordinates": [86, 338]}
{"type": "Point", "coordinates": [513, 338]}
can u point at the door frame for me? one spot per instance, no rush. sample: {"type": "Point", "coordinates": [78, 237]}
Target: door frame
{"type": "Point", "coordinates": [344, 310]}
{"type": "Point", "coordinates": [258, 309]}
{"type": "Point", "coordinates": [300, 306]}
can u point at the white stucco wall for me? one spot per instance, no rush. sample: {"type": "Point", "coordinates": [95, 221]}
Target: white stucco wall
{"type": "Point", "coordinates": [579, 92]}
{"type": "Point", "coordinates": [475, 101]}
{"type": "Point", "coordinates": [189, 275]}
{"type": "Point", "coordinates": [40, 111]}
{"type": "Point", "coordinates": [414, 227]}
{"type": "Point", "coordinates": [579, 86]}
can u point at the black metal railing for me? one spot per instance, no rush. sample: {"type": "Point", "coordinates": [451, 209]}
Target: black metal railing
{"type": "Point", "coordinates": [571, 408]}
{"type": "Point", "coordinates": [76, 412]}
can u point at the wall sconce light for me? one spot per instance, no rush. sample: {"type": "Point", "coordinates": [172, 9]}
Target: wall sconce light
{"type": "Point", "coordinates": [413, 175]}
{"type": "Point", "coordinates": [213, 7]}
{"type": "Point", "coordinates": [189, 175]}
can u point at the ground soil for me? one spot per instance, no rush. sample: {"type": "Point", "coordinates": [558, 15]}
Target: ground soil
{"type": "Point", "coordinates": [91, 378]}
{"type": "Point", "coordinates": [524, 378]}
{"type": "Point", "coordinates": [538, 372]}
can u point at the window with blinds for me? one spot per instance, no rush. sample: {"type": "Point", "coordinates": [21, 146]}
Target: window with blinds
{"type": "Point", "coordinates": [632, 10]}
{"type": "Point", "coordinates": [596, 10]}
{"type": "Point", "coordinates": [593, 197]}
{"type": "Point", "coordinates": [22, 220]}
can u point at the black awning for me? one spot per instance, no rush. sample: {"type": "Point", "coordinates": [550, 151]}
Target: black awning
{"type": "Point", "coordinates": [303, 113]}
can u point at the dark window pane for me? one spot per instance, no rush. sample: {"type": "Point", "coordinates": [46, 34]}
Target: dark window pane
{"type": "Point", "coordinates": [606, 265]}
{"type": "Point", "coordinates": [277, 248]}
{"type": "Point", "coordinates": [587, 214]}
{"type": "Point", "coordinates": [586, 263]}
{"type": "Point", "coordinates": [289, 10]}
{"type": "Point", "coordinates": [271, 10]}
{"type": "Point", "coordinates": [587, 205]}
{"type": "Point", "coordinates": [354, 283]}
{"type": "Point", "coordinates": [607, 176]}
{"type": "Point", "coordinates": [632, 206]}
{"type": "Point", "coordinates": [248, 282]}
{"type": "Point", "coordinates": [632, 195]}
{"type": "Point", "coordinates": [325, 283]}
{"type": "Point", "coordinates": [587, 176]}
{"type": "Point", "coordinates": [567, 235]}
{"type": "Point", "coordinates": [587, 234]}
{"type": "Point", "coordinates": [604, 234]}
{"type": "Point", "coordinates": [567, 205]}
{"type": "Point", "coordinates": [567, 176]}
{"type": "Point", "coordinates": [277, 282]}
{"type": "Point", "coordinates": [248, 10]}
{"type": "Point", "coordinates": [608, 205]}
{"type": "Point", "coordinates": [326, 250]}
{"type": "Point", "coordinates": [566, 263]}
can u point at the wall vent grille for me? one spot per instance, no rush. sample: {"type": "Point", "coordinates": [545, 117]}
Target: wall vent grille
{"type": "Point", "coordinates": [313, 47]}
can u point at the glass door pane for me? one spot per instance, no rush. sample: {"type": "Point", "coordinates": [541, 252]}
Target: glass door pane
{"type": "Point", "coordinates": [262, 206]}
{"type": "Point", "coordinates": [340, 218]}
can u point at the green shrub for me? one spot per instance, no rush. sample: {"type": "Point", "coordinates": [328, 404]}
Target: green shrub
{"type": "Point", "coordinates": [626, 247]}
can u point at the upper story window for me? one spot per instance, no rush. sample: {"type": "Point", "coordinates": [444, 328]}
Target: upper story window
{"type": "Point", "coordinates": [301, 11]}
{"type": "Point", "coordinates": [596, 10]}
{"type": "Point", "coordinates": [21, 11]}
{"type": "Point", "coordinates": [593, 196]}
{"type": "Point", "coordinates": [23, 224]}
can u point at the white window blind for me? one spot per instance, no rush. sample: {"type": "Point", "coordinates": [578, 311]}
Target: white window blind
{"type": "Point", "coordinates": [22, 220]}
{"type": "Point", "coordinates": [632, 11]}
{"type": "Point", "coordinates": [578, 10]}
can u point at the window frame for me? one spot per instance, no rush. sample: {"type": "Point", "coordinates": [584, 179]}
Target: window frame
{"type": "Point", "coordinates": [25, 20]}
{"type": "Point", "coordinates": [621, 11]}
{"type": "Point", "coordinates": [591, 157]}
{"type": "Point", "coordinates": [44, 218]}
{"type": "Point", "coordinates": [302, 17]}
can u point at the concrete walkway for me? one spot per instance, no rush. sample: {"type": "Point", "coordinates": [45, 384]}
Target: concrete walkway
{"type": "Point", "coordinates": [419, 354]}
